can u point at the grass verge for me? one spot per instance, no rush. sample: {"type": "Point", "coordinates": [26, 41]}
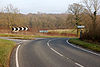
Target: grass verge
{"type": "Point", "coordinates": [31, 36]}
{"type": "Point", "coordinates": [91, 46]}
{"type": "Point", "coordinates": [13, 35]}
{"type": "Point", "coordinates": [23, 38]}
{"type": "Point", "coordinates": [6, 47]}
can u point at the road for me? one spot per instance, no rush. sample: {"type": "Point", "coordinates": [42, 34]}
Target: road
{"type": "Point", "coordinates": [52, 52]}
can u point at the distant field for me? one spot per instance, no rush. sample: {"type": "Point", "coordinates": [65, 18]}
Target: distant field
{"type": "Point", "coordinates": [63, 32]}
{"type": "Point", "coordinates": [6, 47]}
{"type": "Point", "coordinates": [72, 31]}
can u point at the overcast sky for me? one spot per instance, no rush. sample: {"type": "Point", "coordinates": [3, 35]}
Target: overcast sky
{"type": "Point", "coordinates": [44, 6]}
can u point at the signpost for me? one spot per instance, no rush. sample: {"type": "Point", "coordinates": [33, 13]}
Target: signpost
{"type": "Point", "coordinates": [81, 29]}
{"type": "Point", "coordinates": [26, 28]}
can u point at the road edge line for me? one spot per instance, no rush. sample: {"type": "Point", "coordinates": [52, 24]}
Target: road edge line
{"type": "Point", "coordinates": [17, 64]}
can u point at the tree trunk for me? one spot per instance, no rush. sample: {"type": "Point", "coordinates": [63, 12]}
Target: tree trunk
{"type": "Point", "coordinates": [94, 25]}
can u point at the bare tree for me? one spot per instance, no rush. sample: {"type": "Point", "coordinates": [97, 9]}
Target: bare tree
{"type": "Point", "coordinates": [76, 10]}
{"type": "Point", "coordinates": [92, 8]}
{"type": "Point", "coordinates": [10, 13]}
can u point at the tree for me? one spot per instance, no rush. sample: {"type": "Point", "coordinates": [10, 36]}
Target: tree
{"type": "Point", "coordinates": [76, 10]}
{"type": "Point", "coordinates": [10, 13]}
{"type": "Point", "coordinates": [92, 8]}
{"type": "Point", "coordinates": [30, 21]}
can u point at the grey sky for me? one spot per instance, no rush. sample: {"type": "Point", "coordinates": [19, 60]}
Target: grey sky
{"type": "Point", "coordinates": [44, 6]}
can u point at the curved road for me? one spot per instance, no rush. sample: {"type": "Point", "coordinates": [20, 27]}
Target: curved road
{"type": "Point", "coordinates": [52, 52]}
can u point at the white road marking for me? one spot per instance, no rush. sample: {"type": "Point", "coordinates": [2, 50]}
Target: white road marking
{"type": "Point", "coordinates": [53, 49]}
{"type": "Point", "coordinates": [79, 65]}
{"type": "Point", "coordinates": [62, 54]}
{"type": "Point", "coordinates": [17, 64]}
{"type": "Point", "coordinates": [56, 52]}
{"type": "Point", "coordinates": [83, 49]}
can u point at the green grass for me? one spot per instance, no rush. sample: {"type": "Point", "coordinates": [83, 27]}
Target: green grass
{"type": "Point", "coordinates": [13, 35]}
{"type": "Point", "coordinates": [91, 46]}
{"type": "Point", "coordinates": [26, 36]}
{"type": "Point", "coordinates": [33, 37]}
{"type": "Point", "coordinates": [23, 38]}
{"type": "Point", "coordinates": [6, 47]}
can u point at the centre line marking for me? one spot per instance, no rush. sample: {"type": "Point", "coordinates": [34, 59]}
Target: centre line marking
{"type": "Point", "coordinates": [62, 55]}
{"type": "Point", "coordinates": [53, 49]}
{"type": "Point", "coordinates": [79, 65]}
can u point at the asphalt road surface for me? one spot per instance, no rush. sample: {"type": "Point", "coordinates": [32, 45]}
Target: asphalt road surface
{"type": "Point", "coordinates": [52, 52]}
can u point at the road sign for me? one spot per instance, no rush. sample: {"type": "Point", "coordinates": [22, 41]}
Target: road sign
{"type": "Point", "coordinates": [26, 28]}
{"type": "Point", "coordinates": [43, 31]}
{"type": "Point", "coordinates": [80, 27]}
{"type": "Point", "coordinates": [13, 29]}
{"type": "Point", "coordinates": [16, 29]}
{"type": "Point", "coordinates": [22, 28]}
